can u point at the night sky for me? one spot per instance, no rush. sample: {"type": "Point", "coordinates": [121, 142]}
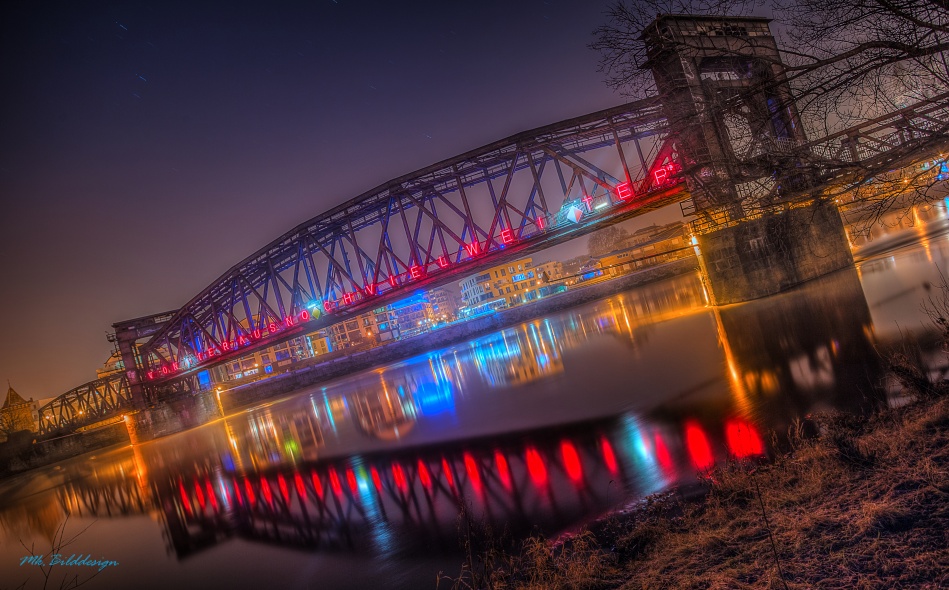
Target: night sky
{"type": "Point", "coordinates": [147, 147]}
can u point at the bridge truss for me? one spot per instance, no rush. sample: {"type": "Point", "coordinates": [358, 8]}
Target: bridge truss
{"type": "Point", "coordinates": [856, 166]}
{"type": "Point", "coordinates": [87, 404]}
{"type": "Point", "coordinates": [520, 194]}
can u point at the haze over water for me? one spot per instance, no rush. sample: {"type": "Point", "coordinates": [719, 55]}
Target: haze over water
{"type": "Point", "coordinates": [537, 428]}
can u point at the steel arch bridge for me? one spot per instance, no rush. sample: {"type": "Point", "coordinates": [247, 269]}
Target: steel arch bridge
{"type": "Point", "coordinates": [520, 194]}
{"type": "Point", "coordinates": [86, 405]}
{"type": "Point", "coordinates": [279, 282]}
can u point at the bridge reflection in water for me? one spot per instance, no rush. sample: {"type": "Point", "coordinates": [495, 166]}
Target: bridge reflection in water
{"type": "Point", "coordinates": [537, 427]}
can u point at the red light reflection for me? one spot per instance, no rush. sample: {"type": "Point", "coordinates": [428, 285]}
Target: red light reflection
{"type": "Point", "coordinates": [697, 443]}
{"type": "Point", "coordinates": [609, 457]}
{"type": "Point", "coordinates": [536, 467]}
{"type": "Point", "coordinates": [571, 461]}
{"type": "Point", "coordinates": [503, 471]}
{"type": "Point", "coordinates": [471, 466]}
{"type": "Point", "coordinates": [743, 439]}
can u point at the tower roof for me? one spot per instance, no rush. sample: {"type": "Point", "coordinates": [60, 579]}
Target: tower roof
{"type": "Point", "coordinates": [13, 398]}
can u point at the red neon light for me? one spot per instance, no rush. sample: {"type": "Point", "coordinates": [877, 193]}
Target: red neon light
{"type": "Point", "coordinates": [540, 223]}
{"type": "Point", "coordinates": [265, 488]}
{"type": "Point", "coordinates": [399, 475]}
{"type": "Point", "coordinates": [237, 493]}
{"type": "Point", "coordinates": [473, 249]}
{"type": "Point", "coordinates": [660, 175]}
{"type": "Point", "coordinates": [370, 289]}
{"type": "Point", "coordinates": [288, 321]}
{"type": "Point", "coordinates": [304, 315]}
{"type": "Point", "coordinates": [184, 498]}
{"type": "Point", "coordinates": [507, 236]}
{"type": "Point", "coordinates": [376, 481]}
{"type": "Point", "coordinates": [284, 489]}
{"type": "Point", "coordinates": [199, 494]}
{"type": "Point", "coordinates": [174, 366]}
{"type": "Point", "coordinates": [272, 328]}
{"type": "Point", "coordinates": [211, 495]}
{"type": "Point", "coordinates": [588, 200]}
{"type": "Point", "coordinates": [423, 475]}
{"type": "Point", "coordinates": [571, 461]}
{"type": "Point", "coordinates": [471, 466]}
{"type": "Point", "coordinates": [328, 306]}
{"type": "Point", "coordinates": [298, 482]}
{"type": "Point", "coordinates": [394, 280]}
{"type": "Point", "coordinates": [503, 471]}
{"type": "Point", "coordinates": [241, 340]}
{"type": "Point", "coordinates": [743, 440]}
{"type": "Point", "coordinates": [164, 370]}
{"type": "Point", "coordinates": [442, 262]}
{"type": "Point", "coordinates": [609, 457]}
{"type": "Point", "coordinates": [255, 334]}
{"type": "Point", "coordinates": [317, 484]}
{"type": "Point", "coordinates": [448, 476]}
{"type": "Point", "coordinates": [417, 272]}
{"type": "Point", "coordinates": [624, 191]}
{"type": "Point", "coordinates": [535, 466]}
{"type": "Point", "coordinates": [334, 483]}
{"type": "Point", "coordinates": [351, 478]}
{"type": "Point", "coordinates": [226, 345]}
{"type": "Point", "coordinates": [699, 449]}
{"type": "Point", "coordinates": [251, 497]}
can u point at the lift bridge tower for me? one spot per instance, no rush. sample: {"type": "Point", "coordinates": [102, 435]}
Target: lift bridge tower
{"type": "Point", "coordinates": [761, 226]}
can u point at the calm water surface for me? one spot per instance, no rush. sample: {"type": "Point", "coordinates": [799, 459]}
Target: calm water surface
{"type": "Point", "coordinates": [539, 427]}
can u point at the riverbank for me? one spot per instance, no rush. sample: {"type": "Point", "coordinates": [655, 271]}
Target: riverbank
{"type": "Point", "coordinates": [864, 504]}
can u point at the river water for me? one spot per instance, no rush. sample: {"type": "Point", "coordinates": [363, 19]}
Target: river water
{"type": "Point", "coordinates": [536, 428]}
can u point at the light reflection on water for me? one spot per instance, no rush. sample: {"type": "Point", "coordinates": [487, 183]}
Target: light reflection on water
{"type": "Point", "coordinates": [540, 426]}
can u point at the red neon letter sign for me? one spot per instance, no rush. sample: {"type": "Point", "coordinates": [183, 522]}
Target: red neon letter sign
{"type": "Point", "coordinates": [624, 191]}
{"type": "Point", "coordinates": [473, 249]}
{"type": "Point", "coordinates": [442, 262]}
{"type": "Point", "coordinates": [417, 272]}
{"type": "Point", "coordinates": [507, 236]}
{"type": "Point", "coordinates": [588, 200]}
{"type": "Point", "coordinates": [660, 175]}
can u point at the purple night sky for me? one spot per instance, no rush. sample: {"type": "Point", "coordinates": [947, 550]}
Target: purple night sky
{"type": "Point", "coordinates": [148, 146]}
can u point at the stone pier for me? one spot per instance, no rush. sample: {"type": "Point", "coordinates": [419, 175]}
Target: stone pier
{"type": "Point", "coordinates": [173, 415]}
{"type": "Point", "coordinates": [763, 256]}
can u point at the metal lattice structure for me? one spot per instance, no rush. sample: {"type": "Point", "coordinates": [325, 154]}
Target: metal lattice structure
{"type": "Point", "coordinates": [846, 159]}
{"type": "Point", "coordinates": [520, 194]}
{"type": "Point", "coordinates": [87, 404]}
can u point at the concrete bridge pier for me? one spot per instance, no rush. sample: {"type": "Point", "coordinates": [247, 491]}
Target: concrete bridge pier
{"type": "Point", "coordinates": [173, 415]}
{"type": "Point", "coordinates": [783, 248]}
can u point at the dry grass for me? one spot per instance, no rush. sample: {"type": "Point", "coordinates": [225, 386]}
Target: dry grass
{"type": "Point", "coordinates": [863, 505]}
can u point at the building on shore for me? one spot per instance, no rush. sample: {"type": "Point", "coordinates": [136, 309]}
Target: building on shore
{"type": "Point", "coordinates": [444, 305]}
{"type": "Point", "coordinates": [18, 414]}
{"type": "Point", "coordinates": [367, 329]}
{"type": "Point", "coordinates": [664, 244]}
{"type": "Point", "coordinates": [413, 315]}
{"type": "Point", "coordinates": [549, 272]}
{"type": "Point", "coordinates": [499, 287]}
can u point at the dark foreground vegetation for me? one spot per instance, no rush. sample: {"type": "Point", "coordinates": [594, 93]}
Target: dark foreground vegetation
{"type": "Point", "coordinates": [864, 504]}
